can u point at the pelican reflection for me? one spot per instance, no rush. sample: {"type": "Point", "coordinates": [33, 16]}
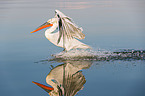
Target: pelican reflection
{"type": "Point", "coordinates": [66, 79]}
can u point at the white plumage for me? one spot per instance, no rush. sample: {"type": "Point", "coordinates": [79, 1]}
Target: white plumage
{"type": "Point", "coordinates": [68, 32]}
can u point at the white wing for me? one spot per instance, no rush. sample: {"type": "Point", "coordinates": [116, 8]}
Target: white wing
{"type": "Point", "coordinates": [67, 28]}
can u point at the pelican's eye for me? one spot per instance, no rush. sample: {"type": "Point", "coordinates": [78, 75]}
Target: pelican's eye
{"type": "Point", "coordinates": [49, 21]}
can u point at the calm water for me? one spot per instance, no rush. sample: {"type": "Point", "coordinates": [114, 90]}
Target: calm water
{"type": "Point", "coordinates": [108, 25]}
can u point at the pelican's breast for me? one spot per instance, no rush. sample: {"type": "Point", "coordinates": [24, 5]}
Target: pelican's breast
{"type": "Point", "coordinates": [53, 38]}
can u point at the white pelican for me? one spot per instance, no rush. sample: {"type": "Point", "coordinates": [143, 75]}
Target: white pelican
{"type": "Point", "coordinates": [67, 33]}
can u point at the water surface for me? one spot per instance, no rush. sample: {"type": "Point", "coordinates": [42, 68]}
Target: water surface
{"type": "Point", "coordinates": [108, 25]}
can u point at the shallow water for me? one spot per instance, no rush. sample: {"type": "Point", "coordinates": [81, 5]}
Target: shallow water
{"type": "Point", "coordinates": [109, 26]}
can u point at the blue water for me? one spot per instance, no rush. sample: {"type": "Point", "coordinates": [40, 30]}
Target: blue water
{"type": "Point", "coordinates": [108, 25]}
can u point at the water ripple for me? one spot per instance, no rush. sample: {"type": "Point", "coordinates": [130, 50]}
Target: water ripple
{"type": "Point", "coordinates": [125, 54]}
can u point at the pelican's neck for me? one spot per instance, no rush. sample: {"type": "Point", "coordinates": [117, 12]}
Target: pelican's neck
{"type": "Point", "coordinates": [50, 30]}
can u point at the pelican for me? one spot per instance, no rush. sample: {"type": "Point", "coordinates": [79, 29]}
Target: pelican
{"type": "Point", "coordinates": [68, 32]}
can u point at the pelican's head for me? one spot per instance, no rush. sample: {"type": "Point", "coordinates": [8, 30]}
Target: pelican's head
{"type": "Point", "coordinates": [52, 21]}
{"type": "Point", "coordinates": [49, 23]}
